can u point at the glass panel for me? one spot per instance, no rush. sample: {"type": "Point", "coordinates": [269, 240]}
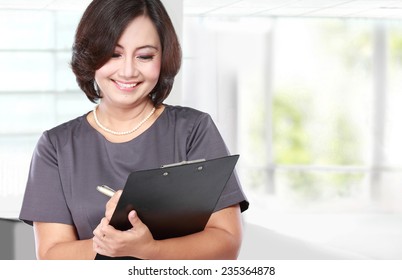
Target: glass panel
{"type": "Point", "coordinates": [323, 92]}
{"type": "Point", "coordinates": [71, 105]}
{"type": "Point", "coordinates": [38, 90]}
{"type": "Point", "coordinates": [393, 135]}
{"type": "Point", "coordinates": [26, 112]}
{"type": "Point", "coordinates": [66, 24]}
{"type": "Point", "coordinates": [65, 78]}
{"type": "Point", "coordinates": [15, 158]}
{"type": "Point", "coordinates": [304, 101]}
{"type": "Point", "coordinates": [22, 30]}
{"type": "Point", "coordinates": [27, 71]}
{"type": "Point", "coordinates": [316, 190]}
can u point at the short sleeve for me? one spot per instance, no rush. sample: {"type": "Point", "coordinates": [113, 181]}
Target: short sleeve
{"type": "Point", "coordinates": [206, 142]}
{"type": "Point", "coordinates": [44, 199]}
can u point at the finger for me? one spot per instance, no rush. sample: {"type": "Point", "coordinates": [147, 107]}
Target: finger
{"type": "Point", "coordinates": [111, 204]}
{"type": "Point", "coordinates": [97, 246]}
{"type": "Point", "coordinates": [101, 230]}
{"type": "Point", "coordinates": [97, 231]}
{"type": "Point", "coordinates": [135, 220]}
{"type": "Point", "coordinates": [115, 198]}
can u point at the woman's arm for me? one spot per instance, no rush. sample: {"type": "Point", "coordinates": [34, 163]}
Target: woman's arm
{"type": "Point", "coordinates": [59, 241]}
{"type": "Point", "coordinates": [221, 238]}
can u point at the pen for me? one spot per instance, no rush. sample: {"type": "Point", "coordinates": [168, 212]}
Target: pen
{"type": "Point", "coordinates": [106, 190]}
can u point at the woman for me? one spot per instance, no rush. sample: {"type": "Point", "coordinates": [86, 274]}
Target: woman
{"type": "Point", "coordinates": [125, 57]}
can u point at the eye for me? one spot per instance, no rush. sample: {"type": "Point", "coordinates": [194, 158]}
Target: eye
{"type": "Point", "coordinates": [116, 55]}
{"type": "Point", "coordinates": [145, 57]}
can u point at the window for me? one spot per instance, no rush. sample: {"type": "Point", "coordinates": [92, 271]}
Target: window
{"type": "Point", "coordinates": [37, 91]}
{"type": "Point", "coordinates": [311, 105]}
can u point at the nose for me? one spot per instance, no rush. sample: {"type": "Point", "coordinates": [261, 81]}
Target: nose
{"type": "Point", "coordinates": [128, 68]}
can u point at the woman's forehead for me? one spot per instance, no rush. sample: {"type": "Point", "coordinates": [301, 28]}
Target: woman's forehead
{"type": "Point", "coordinates": [140, 33]}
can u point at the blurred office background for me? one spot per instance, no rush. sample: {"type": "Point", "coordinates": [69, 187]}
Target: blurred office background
{"type": "Point", "coordinates": [309, 93]}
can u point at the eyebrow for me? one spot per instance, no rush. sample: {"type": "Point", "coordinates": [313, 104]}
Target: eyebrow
{"type": "Point", "coordinates": [140, 48]}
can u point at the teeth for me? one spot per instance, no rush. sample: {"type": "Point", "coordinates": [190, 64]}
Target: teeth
{"type": "Point", "coordinates": [125, 85]}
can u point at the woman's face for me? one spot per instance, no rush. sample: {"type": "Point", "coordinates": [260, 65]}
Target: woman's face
{"type": "Point", "coordinates": [133, 71]}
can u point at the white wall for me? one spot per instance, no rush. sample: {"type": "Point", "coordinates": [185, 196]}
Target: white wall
{"type": "Point", "coordinates": [175, 10]}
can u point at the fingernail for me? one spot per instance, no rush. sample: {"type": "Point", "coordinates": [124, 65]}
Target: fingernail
{"type": "Point", "coordinates": [133, 214]}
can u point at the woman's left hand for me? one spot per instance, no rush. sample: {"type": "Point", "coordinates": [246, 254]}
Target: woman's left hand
{"type": "Point", "coordinates": [137, 241]}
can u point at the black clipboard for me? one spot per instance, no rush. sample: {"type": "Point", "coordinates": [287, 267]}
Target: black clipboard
{"type": "Point", "coordinates": [174, 200]}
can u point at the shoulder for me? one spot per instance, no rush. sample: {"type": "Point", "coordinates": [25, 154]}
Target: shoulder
{"type": "Point", "coordinates": [183, 110]}
{"type": "Point", "coordinates": [197, 126]}
{"type": "Point", "coordinates": [59, 134]}
{"type": "Point", "coordinates": [187, 114]}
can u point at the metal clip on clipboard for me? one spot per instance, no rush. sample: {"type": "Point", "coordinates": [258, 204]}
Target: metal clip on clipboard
{"type": "Point", "coordinates": [182, 163]}
{"type": "Point", "coordinates": [199, 168]}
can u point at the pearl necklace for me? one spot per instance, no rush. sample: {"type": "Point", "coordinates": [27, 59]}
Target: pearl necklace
{"type": "Point", "coordinates": [121, 132]}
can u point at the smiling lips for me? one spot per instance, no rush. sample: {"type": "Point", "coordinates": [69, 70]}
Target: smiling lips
{"type": "Point", "coordinates": [125, 86]}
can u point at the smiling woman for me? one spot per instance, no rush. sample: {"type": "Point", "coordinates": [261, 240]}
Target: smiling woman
{"type": "Point", "coordinates": [125, 57]}
{"type": "Point", "coordinates": [133, 71]}
{"type": "Point", "coordinates": [90, 55]}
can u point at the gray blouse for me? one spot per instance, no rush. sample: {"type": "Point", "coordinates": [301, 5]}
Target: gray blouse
{"type": "Point", "coordinates": [73, 158]}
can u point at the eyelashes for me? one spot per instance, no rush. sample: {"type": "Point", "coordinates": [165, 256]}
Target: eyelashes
{"type": "Point", "coordinates": [139, 57]}
{"type": "Point", "coordinates": [145, 57]}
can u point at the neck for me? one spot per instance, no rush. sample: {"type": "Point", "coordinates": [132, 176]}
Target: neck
{"type": "Point", "coordinates": [122, 121]}
{"type": "Point", "coordinates": [120, 115]}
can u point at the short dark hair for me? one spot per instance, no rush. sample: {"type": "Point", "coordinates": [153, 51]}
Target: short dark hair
{"type": "Point", "coordinates": [99, 30]}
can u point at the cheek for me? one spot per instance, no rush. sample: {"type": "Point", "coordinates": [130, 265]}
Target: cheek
{"type": "Point", "coordinates": [104, 71]}
{"type": "Point", "coordinates": [154, 71]}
